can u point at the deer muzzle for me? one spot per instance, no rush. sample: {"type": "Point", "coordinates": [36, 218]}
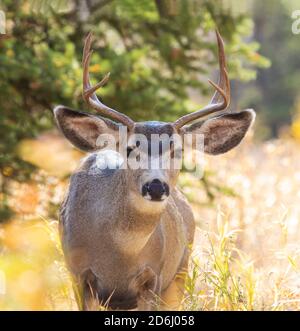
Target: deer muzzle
{"type": "Point", "coordinates": [155, 190]}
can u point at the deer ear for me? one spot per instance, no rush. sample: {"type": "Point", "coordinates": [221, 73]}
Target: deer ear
{"type": "Point", "coordinates": [83, 129]}
{"type": "Point", "coordinates": [224, 132]}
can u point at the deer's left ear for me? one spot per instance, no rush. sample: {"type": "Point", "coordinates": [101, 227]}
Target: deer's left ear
{"type": "Point", "coordinates": [224, 132]}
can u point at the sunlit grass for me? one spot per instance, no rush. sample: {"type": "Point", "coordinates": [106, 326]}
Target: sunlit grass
{"type": "Point", "coordinates": [35, 275]}
{"type": "Point", "coordinates": [246, 254]}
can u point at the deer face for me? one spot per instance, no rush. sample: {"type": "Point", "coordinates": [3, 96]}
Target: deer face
{"type": "Point", "coordinates": [150, 151]}
{"type": "Point", "coordinates": [154, 141]}
{"type": "Point", "coordinates": [142, 150]}
{"type": "Point", "coordinates": [154, 183]}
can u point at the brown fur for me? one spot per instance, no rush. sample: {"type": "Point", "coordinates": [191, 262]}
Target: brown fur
{"type": "Point", "coordinates": [125, 251]}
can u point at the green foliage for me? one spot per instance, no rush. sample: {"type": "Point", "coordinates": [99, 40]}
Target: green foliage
{"type": "Point", "coordinates": [276, 90]}
{"type": "Point", "coordinates": [153, 55]}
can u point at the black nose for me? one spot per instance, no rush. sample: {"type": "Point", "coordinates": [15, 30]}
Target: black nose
{"type": "Point", "coordinates": [156, 190]}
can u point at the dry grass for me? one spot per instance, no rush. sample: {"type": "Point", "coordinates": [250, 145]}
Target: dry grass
{"type": "Point", "coordinates": [246, 248]}
{"type": "Point", "coordinates": [246, 254]}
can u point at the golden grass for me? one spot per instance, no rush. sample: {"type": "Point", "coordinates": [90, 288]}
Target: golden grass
{"type": "Point", "coordinates": [246, 254]}
{"type": "Point", "coordinates": [246, 248]}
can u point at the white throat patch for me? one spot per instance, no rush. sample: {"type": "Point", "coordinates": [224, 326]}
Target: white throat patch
{"type": "Point", "coordinates": [108, 159]}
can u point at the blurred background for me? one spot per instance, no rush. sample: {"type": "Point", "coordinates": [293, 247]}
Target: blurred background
{"type": "Point", "coordinates": [160, 54]}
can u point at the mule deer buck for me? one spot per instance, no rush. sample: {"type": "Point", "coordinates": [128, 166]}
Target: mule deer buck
{"type": "Point", "coordinates": [127, 233]}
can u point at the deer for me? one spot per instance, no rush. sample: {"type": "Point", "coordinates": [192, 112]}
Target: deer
{"type": "Point", "coordinates": [127, 233]}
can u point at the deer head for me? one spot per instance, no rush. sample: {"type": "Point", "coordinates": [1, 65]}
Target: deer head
{"type": "Point", "coordinates": [221, 132]}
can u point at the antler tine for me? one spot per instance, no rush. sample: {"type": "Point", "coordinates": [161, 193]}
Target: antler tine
{"type": "Point", "coordinates": [223, 77]}
{"type": "Point", "coordinates": [221, 98]}
{"type": "Point", "coordinates": [89, 94]}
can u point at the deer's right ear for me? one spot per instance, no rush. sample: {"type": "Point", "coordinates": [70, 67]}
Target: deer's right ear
{"type": "Point", "coordinates": [83, 129]}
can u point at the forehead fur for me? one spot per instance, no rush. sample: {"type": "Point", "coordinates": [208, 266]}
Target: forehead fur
{"type": "Point", "coordinates": [154, 127]}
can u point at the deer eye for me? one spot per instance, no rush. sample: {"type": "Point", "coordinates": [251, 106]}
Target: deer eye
{"type": "Point", "coordinates": [129, 150]}
{"type": "Point", "coordinates": [172, 151]}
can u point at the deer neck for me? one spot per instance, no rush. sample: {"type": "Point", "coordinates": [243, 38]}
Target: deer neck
{"type": "Point", "coordinates": [140, 218]}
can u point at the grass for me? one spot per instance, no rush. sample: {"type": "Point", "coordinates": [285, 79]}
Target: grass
{"type": "Point", "coordinates": [246, 254]}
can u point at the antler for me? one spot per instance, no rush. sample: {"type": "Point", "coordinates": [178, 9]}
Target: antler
{"type": "Point", "coordinates": [89, 94]}
{"type": "Point", "coordinates": [221, 98]}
